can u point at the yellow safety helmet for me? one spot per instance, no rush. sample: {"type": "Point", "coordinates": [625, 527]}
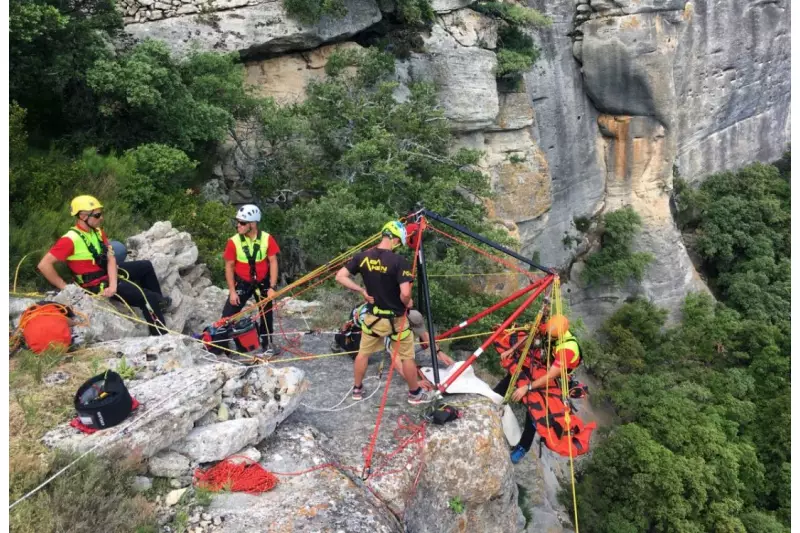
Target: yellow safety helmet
{"type": "Point", "coordinates": [395, 228]}
{"type": "Point", "coordinates": [84, 203]}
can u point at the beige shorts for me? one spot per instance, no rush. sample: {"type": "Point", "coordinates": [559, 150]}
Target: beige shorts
{"type": "Point", "coordinates": [383, 328]}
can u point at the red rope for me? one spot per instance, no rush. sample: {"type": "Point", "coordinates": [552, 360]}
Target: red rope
{"type": "Point", "coordinates": [373, 439]}
{"type": "Point", "coordinates": [241, 475]}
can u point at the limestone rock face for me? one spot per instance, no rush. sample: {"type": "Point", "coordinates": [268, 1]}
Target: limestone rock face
{"type": "Point", "coordinates": [464, 78]}
{"type": "Point", "coordinates": [732, 82]}
{"type": "Point", "coordinates": [254, 29]}
{"type": "Point", "coordinates": [445, 6]}
{"type": "Point", "coordinates": [470, 28]}
{"type": "Point", "coordinates": [285, 78]}
{"type": "Point", "coordinates": [662, 83]}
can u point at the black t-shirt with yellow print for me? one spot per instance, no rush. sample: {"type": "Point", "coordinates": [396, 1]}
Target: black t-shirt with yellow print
{"type": "Point", "coordinates": [383, 271]}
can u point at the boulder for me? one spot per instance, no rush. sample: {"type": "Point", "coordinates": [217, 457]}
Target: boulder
{"type": "Point", "coordinates": [169, 464]}
{"type": "Point", "coordinates": [150, 356]}
{"type": "Point", "coordinates": [256, 30]}
{"type": "Point", "coordinates": [320, 500]}
{"type": "Point", "coordinates": [169, 405]}
{"type": "Point", "coordinates": [106, 317]}
{"type": "Point", "coordinates": [196, 303]}
{"type": "Point", "coordinates": [266, 394]}
{"type": "Point", "coordinates": [217, 441]}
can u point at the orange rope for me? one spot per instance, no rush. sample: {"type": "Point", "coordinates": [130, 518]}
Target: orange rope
{"type": "Point", "coordinates": [242, 475]}
{"type": "Point", "coordinates": [491, 256]}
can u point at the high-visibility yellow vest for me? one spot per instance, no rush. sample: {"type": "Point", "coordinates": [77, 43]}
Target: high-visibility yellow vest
{"type": "Point", "coordinates": [81, 251]}
{"type": "Point", "coordinates": [569, 342]}
{"type": "Point", "coordinates": [245, 247]}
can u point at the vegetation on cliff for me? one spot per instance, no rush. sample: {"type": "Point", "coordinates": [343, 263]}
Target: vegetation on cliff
{"type": "Point", "coordinates": [693, 451]}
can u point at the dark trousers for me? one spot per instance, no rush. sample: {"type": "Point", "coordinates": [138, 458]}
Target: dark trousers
{"type": "Point", "coordinates": [245, 290]}
{"type": "Point", "coordinates": [529, 432]}
{"type": "Point", "coordinates": [140, 273]}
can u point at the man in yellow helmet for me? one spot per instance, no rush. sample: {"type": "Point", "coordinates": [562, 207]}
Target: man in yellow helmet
{"type": "Point", "coordinates": [387, 277]}
{"type": "Point", "coordinates": [86, 250]}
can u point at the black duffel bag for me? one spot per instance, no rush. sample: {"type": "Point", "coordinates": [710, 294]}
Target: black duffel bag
{"type": "Point", "coordinates": [103, 401]}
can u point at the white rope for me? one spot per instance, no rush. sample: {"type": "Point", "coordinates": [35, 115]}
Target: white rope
{"type": "Point", "coordinates": [334, 408]}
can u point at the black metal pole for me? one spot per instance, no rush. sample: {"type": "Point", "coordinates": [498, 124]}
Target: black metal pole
{"type": "Point", "coordinates": [423, 279]}
{"type": "Point", "coordinates": [484, 240]}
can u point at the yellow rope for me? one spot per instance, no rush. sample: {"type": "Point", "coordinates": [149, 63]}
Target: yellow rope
{"type": "Point", "coordinates": [505, 274]}
{"type": "Point", "coordinates": [565, 396]}
{"type": "Point", "coordinates": [521, 362]}
{"type": "Point", "coordinates": [311, 275]}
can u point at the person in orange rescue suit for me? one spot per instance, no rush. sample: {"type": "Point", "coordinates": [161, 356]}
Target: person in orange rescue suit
{"type": "Point", "coordinates": [566, 353]}
{"type": "Point", "coordinates": [509, 358]}
{"type": "Point", "coordinates": [387, 277]}
{"type": "Point", "coordinates": [86, 250]}
{"type": "Point", "coordinates": [251, 269]}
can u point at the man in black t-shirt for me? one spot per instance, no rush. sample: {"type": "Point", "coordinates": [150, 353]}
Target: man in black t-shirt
{"type": "Point", "coordinates": [388, 278]}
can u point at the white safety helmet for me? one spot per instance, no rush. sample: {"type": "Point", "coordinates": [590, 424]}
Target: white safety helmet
{"type": "Point", "coordinates": [249, 213]}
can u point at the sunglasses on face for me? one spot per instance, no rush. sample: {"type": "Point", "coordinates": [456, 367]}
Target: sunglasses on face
{"type": "Point", "coordinates": [95, 215]}
{"type": "Point", "coordinates": [240, 223]}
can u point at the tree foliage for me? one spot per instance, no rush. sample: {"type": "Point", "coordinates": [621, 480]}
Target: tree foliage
{"type": "Point", "coordinates": [616, 262]}
{"type": "Point", "coordinates": [693, 398]}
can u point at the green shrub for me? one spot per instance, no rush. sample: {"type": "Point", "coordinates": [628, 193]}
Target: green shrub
{"type": "Point", "coordinates": [514, 14]}
{"type": "Point", "coordinates": [616, 263]}
{"type": "Point", "coordinates": [310, 11]}
{"type": "Point", "coordinates": [210, 225]}
{"type": "Point", "coordinates": [95, 484]}
{"type": "Point", "coordinates": [516, 52]}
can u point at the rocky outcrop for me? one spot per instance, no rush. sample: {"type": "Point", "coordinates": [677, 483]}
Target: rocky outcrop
{"type": "Point", "coordinates": [195, 301]}
{"type": "Point", "coordinates": [106, 319]}
{"type": "Point", "coordinates": [251, 27]}
{"type": "Point", "coordinates": [171, 405]}
{"type": "Point", "coordinates": [321, 500]}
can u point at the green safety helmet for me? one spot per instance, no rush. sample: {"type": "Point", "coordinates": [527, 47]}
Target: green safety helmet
{"type": "Point", "coordinates": [395, 228]}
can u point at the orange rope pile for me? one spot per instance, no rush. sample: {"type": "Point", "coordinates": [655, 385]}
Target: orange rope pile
{"type": "Point", "coordinates": [237, 474]}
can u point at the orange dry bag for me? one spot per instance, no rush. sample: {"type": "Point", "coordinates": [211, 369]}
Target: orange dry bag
{"type": "Point", "coordinates": [45, 325]}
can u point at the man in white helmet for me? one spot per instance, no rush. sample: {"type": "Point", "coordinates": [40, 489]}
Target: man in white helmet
{"type": "Point", "coordinates": [251, 268]}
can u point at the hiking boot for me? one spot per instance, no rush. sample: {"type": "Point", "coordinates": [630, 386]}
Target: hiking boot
{"type": "Point", "coordinates": [517, 454]}
{"type": "Point", "coordinates": [165, 303]}
{"type": "Point", "coordinates": [358, 392]}
{"type": "Point", "coordinates": [423, 396]}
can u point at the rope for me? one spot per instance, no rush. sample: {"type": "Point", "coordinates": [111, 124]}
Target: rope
{"type": "Point", "coordinates": [491, 256]}
{"type": "Point", "coordinates": [236, 474]}
{"type": "Point", "coordinates": [403, 321]}
{"type": "Point", "coordinates": [521, 361]}
{"type": "Point", "coordinates": [565, 396]}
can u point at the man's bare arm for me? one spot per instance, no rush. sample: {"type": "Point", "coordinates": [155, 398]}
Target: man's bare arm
{"type": "Point", "coordinates": [47, 268]}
